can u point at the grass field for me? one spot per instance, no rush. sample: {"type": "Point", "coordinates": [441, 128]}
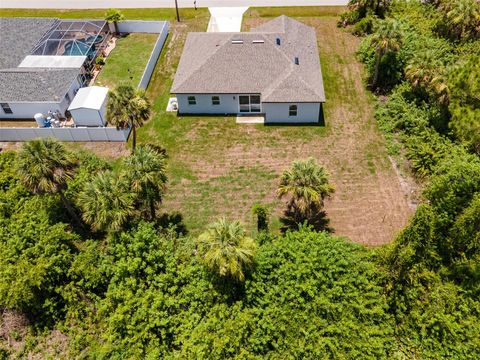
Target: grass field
{"type": "Point", "coordinates": [126, 63]}
{"type": "Point", "coordinates": [130, 14]}
{"type": "Point", "coordinates": [218, 168]}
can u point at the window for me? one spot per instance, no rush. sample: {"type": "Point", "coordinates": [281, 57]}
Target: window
{"type": "Point", "coordinates": [6, 108]}
{"type": "Point", "coordinates": [192, 100]}
{"type": "Point", "coordinates": [255, 103]}
{"type": "Point", "coordinates": [292, 110]}
{"type": "Point", "coordinates": [249, 103]}
{"type": "Point", "coordinates": [215, 100]}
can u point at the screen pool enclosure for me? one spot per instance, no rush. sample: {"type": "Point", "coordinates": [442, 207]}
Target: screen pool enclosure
{"type": "Point", "coordinates": [73, 38]}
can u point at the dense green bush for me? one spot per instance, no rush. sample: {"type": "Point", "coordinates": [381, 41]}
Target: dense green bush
{"type": "Point", "coordinates": [311, 296]}
{"type": "Point", "coordinates": [364, 26]}
{"type": "Point", "coordinates": [465, 102]}
{"type": "Point", "coordinates": [431, 271]}
{"type": "Point", "coordinates": [36, 253]}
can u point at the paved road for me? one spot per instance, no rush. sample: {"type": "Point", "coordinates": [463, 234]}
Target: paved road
{"type": "Point", "coordinates": [105, 4]}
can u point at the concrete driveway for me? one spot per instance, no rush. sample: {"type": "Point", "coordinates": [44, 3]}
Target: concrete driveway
{"type": "Point", "coordinates": [225, 19]}
{"type": "Point", "coordinates": [105, 4]}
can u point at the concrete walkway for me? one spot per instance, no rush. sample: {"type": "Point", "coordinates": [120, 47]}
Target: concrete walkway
{"type": "Point", "coordinates": [225, 19]}
{"type": "Point", "coordinates": [119, 4]}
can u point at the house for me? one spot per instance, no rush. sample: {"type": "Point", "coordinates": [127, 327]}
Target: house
{"type": "Point", "coordinates": [272, 70]}
{"type": "Point", "coordinates": [44, 61]}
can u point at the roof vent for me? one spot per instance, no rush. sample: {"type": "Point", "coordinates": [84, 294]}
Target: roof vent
{"type": "Point", "coordinates": [278, 41]}
{"type": "Point", "coordinates": [296, 61]}
{"type": "Point", "coordinates": [258, 41]}
{"type": "Point", "coordinates": [237, 41]}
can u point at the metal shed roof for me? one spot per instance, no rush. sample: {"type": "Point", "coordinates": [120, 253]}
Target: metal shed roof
{"type": "Point", "coordinates": [91, 97]}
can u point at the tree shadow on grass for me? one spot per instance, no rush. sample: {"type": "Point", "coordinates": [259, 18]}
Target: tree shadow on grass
{"type": "Point", "coordinates": [313, 215]}
{"type": "Point", "coordinates": [172, 221]}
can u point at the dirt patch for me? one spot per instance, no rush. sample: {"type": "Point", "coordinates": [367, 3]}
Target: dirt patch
{"type": "Point", "coordinates": [107, 150]}
{"type": "Point", "coordinates": [13, 330]}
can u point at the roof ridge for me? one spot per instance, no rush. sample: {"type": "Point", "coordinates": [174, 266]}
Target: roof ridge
{"type": "Point", "coordinates": [308, 85]}
{"type": "Point", "coordinates": [204, 61]}
{"type": "Point", "coordinates": [277, 47]}
{"type": "Point", "coordinates": [278, 81]}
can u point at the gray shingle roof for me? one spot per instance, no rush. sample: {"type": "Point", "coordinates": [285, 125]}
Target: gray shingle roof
{"type": "Point", "coordinates": [211, 63]}
{"type": "Point", "coordinates": [27, 85]}
{"type": "Point", "coordinates": [18, 36]}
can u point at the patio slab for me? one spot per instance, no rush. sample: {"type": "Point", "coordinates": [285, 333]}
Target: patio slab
{"type": "Point", "coordinates": [250, 119]}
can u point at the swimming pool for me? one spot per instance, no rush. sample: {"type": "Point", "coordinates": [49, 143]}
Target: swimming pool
{"type": "Point", "coordinates": [79, 48]}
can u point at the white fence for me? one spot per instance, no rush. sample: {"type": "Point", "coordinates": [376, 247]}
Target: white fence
{"type": "Point", "coordinates": [152, 61]}
{"type": "Point", "coordinates": [142, 26]}
{"type": "Point", "coordinates": [65, 134]}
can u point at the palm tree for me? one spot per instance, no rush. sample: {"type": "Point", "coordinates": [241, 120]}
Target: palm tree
{"type": "Point", "coordinates": [306, 182]}
{"type": "Point", "coordinates": [114, 16]}
{"type": "Point", "coordinates": [128, 107]}
{"type": "Point", "coordinates": [106, 202]}
{"type": "Point", "coordinates": [227, 250]}
{"type": "Point", "coordinates": [462, 17]}
{"type": "Point", "coordinates": [387, 38]}
{"type": "Point", "coordinates": [145, 171]}
{"type": "Point", "coordinates": [422, 68]}
{"type": "Point", "coordinates": [426, 71]}
{"type": "Point", "coordinates": [377, 7]}
{"type": "Point", "coordinates": [45, 166]}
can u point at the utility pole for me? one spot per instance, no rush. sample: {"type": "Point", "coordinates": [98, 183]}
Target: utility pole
{"type": "Point", "coordinates": [176, 9]}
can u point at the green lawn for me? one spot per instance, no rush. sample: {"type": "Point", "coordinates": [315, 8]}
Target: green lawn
{"type": "Point", "coordinates": [130, 14]}
{"type": "Point", "coordinates": [126, 63]}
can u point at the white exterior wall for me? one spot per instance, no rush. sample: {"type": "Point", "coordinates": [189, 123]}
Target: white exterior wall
{"type": "Point", "coordinates": [274, 112]}
{"type": "Point", "coordinates": [103, 111]}
{"type": "Point", "coordinates": [26, 110]}
{"type": "Point", "coordinates": [278, 112]}
{"type": "Point", "coordinates": [87, 117]}
{"type": "Point", "coordinates": [228, 104]}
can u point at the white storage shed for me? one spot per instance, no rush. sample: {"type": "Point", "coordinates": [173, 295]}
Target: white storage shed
{"type": "Point", "coordinates": [89, 107]}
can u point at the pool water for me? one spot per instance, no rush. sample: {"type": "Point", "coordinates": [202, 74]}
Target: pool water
{"type": "Point", "coordinates": [79, 49]}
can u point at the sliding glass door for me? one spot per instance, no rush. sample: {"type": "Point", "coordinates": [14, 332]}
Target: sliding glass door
{"type": "Point", "coordinates": [249, 103]}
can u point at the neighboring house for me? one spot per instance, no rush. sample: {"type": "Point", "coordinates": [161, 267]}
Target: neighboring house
{"type": "Point", "coordinates": [273, 70]}
{"type": "Point", "coordinates": [43, 63]}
